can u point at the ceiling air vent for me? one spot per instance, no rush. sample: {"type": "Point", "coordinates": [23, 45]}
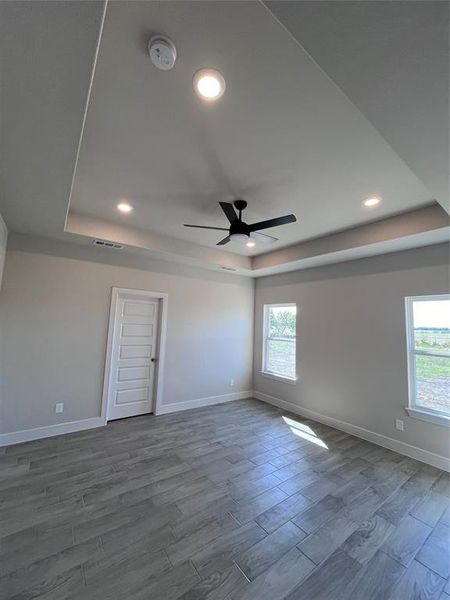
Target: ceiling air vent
{"type": "Point", "coordinates": [107, 244]}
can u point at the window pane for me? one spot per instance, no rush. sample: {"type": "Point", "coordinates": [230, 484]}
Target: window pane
{"type": "Point", "coordinates": [432, 325]}
{"type": "Point", "coordinates": [280, 357]}
{"type": "Point", "coordinates": [282, 321]}
{"type": "Point", "coordinates": [433, 382]}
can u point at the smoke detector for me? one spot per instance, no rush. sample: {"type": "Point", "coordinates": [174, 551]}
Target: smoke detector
{"type": "Point", "coordinates": [162, 51]}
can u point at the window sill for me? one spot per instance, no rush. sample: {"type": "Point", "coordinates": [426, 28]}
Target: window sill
{"type": "Point", "coordinates": [428, 416]}
{"type": "Point", "coordinates": [279, 377]}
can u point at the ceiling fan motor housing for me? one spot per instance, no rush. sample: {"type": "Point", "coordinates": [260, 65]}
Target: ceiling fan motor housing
{"type": "Point", "coordinates": [239, 227]}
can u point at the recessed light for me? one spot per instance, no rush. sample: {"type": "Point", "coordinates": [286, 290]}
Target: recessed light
{"type": "Point", "coordinates": [124, 207]}
{"type": "Point", "coordinates": [250, 244]}
{"type": "Point", "coordinates": [372, 201]}
{"type": "Point", "coordinates": [209, 84]}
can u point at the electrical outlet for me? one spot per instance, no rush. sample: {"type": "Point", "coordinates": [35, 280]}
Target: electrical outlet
{"type": "Point", "coordinates": [231, 382]}
{"type": "Point", "coordinates": [399, 424]}
{"type": "Point", "coordinates": [59, 407]}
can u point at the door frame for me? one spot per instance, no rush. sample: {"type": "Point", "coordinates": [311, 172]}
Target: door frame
{"type": "Point", "coordinates": [161, 343]}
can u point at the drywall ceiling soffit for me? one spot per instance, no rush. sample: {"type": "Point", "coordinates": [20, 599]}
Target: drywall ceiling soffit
{"type": "Point", "coordinates": [422, 227]}
{"type": "Point", "coordinates": [156, 245]}
{"type": "Point", "coordinates": [426, 222]}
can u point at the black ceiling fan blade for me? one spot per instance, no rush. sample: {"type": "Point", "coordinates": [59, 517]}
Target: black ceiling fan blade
{"type": "Point", "coordinates": [224, 241]}
{"type": "Point", "coordinates": [206, 227]}
{"type": "Point", "coordinates": [272, 223]}
{"type": "Point", "coordinates": [229, 211]}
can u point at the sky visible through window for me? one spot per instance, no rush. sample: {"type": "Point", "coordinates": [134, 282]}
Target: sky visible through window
{"type": "Point", "coordinates": [432, 313]}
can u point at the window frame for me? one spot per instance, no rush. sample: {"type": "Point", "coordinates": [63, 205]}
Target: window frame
{"type": "Point", "coordinates": [412, 408]}
{"type": "Point", "coordinates": [264, 371]}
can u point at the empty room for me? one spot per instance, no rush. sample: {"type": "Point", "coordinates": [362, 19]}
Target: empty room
{"type": "Point", "coordinates": [224, 300]}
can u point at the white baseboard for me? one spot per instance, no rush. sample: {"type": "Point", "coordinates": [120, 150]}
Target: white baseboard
{"type": "Point", "coordinates": [199, 402]}
{"type": "Point", "coordinates": [436, 460]}
{"type": "Point", "coordinates": [28, 435]}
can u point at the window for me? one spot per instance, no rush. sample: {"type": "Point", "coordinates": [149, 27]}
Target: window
{"type": "Point", "coordinates": [428, 331]}
{"type": "Point", "coordinates": [279, 334]}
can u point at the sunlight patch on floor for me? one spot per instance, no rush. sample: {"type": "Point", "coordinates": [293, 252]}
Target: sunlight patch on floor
{"type": "Point", "coordinates": [303, 431]}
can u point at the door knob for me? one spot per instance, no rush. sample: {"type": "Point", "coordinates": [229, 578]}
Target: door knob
{"type": "Point", "coordinates": [154, 359]}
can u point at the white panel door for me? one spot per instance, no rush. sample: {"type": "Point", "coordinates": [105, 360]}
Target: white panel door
{"type": "Point", "coordinates": [133, 356]}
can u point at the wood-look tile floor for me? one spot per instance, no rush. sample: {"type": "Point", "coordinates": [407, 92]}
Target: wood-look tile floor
{"type": "Point", "coordinates": [231, 502]}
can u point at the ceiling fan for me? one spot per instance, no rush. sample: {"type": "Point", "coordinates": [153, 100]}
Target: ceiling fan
{"type": "Point", "coordinates": [242, 232]}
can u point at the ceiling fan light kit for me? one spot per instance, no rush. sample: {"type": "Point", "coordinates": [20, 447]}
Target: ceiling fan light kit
{"type": "Point", "coordinates": [241, 232]}
{"type": "Point", "coordinates": [239, 237]}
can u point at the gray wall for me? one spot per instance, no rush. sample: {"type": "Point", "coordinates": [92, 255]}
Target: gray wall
{"type": "Point", "coordinates": [3, 241]}
{"type": "Point", "coordinates": [54, 316]}
{"type": "Point", "coordinates": [351, 349]}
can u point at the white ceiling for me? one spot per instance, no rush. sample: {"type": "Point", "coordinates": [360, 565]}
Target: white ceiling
{"type": "Point", "coordinates": [284, 137]}
{"type": "Point", "coordinates": [46, 54]}
{"type": "Point", "coordinates": [392, 61]}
